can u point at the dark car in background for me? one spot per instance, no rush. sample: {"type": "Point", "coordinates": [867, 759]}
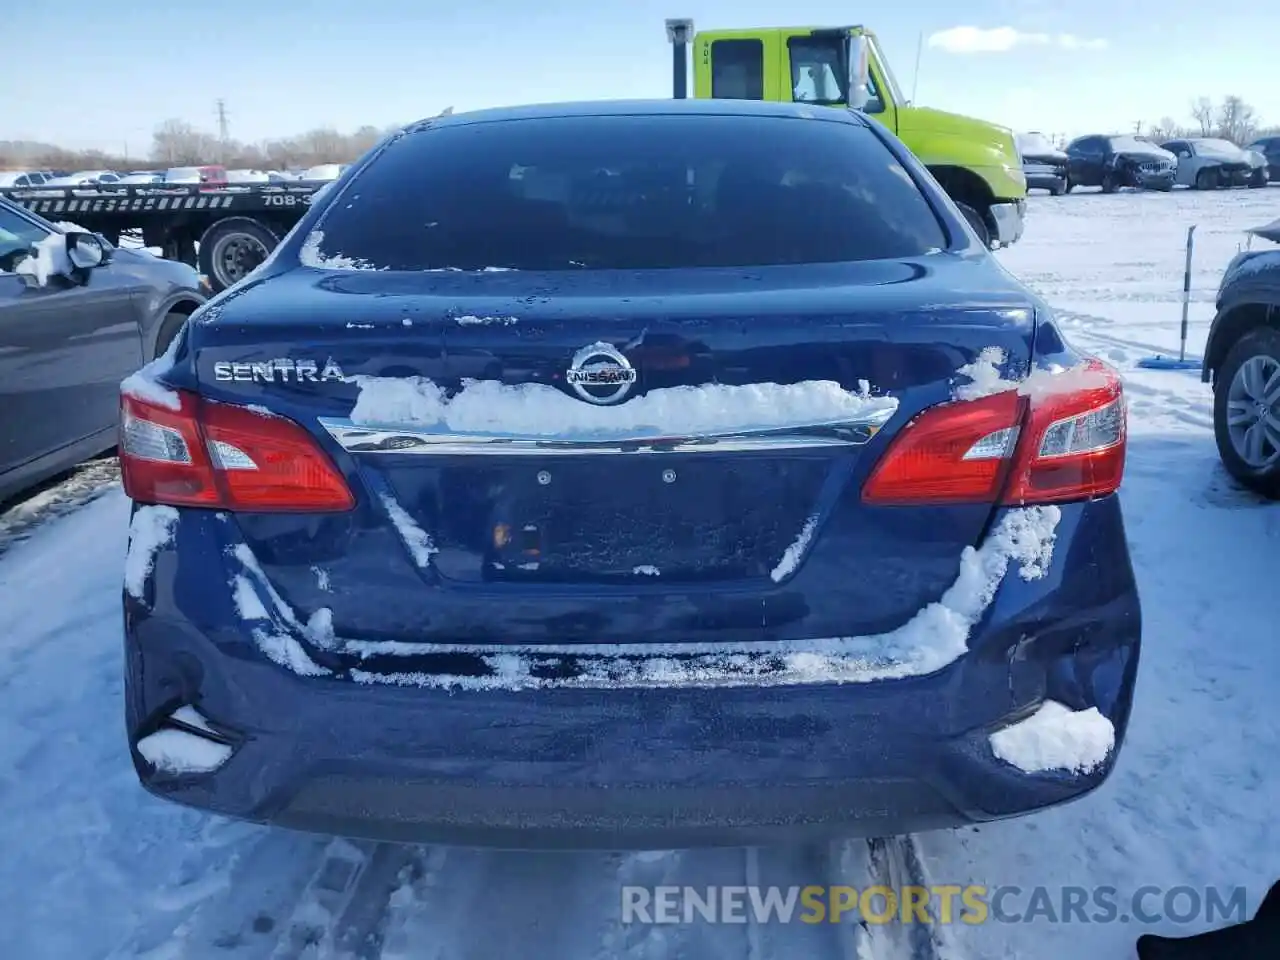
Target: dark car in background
{"type": "Point", "coordinates": [76, 316]}
{"type": "Point", "coordinates": [626, 474]}
{"type": "Point", "coordinates": [1269, 147]}
{"type": "Point", "coordinates": [1113, 161]}
{"type": "Point", "coordinates": [1043, 164]}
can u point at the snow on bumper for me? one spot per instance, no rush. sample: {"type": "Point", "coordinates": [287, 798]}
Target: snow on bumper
{"type": "Point", "coordinates": [638, 760]}
{"type": "Point", "coordinates": [935, 637]}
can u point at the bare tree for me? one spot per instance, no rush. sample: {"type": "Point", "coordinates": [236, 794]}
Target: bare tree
{"type": "Point", "coordinates": [175, 142]}
{"type": "Point", "coordinates": [1166, 129]}
{"type": "Point", "coordinates": [1237, 121]}
{"type": "Point", "coordinates": [1202, 112]}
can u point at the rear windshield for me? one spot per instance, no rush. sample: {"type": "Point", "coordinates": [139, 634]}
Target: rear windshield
{"type": "Point", "coordinates": [1134, 145]}
{"type": "Point", "coordinates": [622, 192]}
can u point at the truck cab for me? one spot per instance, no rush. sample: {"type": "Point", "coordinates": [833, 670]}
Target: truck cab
{"type": "Point", "coordinates": [976, 162]}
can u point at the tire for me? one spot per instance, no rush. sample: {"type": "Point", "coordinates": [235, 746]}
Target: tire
{"type": "Point", "coordinates": [979, 225]}
{"type": "Point", "coordinates": [231, 249]}
{"type": "Point", "coordinates": [168, 330]}
{"type": "Point", "coordinates": [1253, 360]}
{"type": "Point", "coordinates": [1259, 179]}
{"type": "Point", "coordinates": [1109, 184]}
{"type": "Point", "coordinates": [1059, 188]}
{"type": "Point", "coordinates": [1207, 180]}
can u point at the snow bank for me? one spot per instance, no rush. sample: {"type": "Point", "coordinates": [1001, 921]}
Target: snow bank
{"type": "Point", "coordinates": [533, 409]}
{"type": "Point", "coordinates": [987, 379]}
{"type": "Point", "coordinates": [935, 637]}
{"type": "Point", "coordinates": [145, 385]}
{"type": "Point", "coordinates": [1056, 737]}
{"type": "Point", "coordinates": [150, 531]}
{"type": "Point", "coordinates": [48, 259]}
{"type": "Point", "coordinates": [176, 751]}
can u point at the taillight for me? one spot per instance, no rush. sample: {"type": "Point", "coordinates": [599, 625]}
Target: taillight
{"type": "Point", "coordinates": [1060, 437]}
{"type": "Point", "coordinates": [954, 453]}
{"type": "Point", "coordinates": [208, 454]}
{"type": "Point", "coordinates": [1073, 446]}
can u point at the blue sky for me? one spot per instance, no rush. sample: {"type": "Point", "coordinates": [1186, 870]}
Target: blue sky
{"type": "Point", "coordinates": [105, 75]}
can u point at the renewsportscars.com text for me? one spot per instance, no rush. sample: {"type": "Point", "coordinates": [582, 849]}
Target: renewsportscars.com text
{"type": "Point", "coordinates": [937, 904]}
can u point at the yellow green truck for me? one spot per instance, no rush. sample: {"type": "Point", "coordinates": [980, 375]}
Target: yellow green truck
{"type": "Point", "coordinates": [977, 163]}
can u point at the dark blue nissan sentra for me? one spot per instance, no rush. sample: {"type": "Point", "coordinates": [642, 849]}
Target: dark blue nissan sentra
{"type": "Point", "coordinates": [646, 474]}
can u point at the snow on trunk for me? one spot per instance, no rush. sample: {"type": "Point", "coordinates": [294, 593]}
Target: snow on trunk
{"type": "Point", "coordinates": [538, 410]}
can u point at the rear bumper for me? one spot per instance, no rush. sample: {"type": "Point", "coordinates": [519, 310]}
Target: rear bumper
{"type": "Point", "coordinates": [1008, 219]}
{"type": "Point", "coordinates": [1045, 181]}
{"type": "Point", "coordinates": [632, 768]}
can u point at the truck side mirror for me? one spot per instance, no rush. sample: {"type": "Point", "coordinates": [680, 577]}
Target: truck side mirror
{"type": "Point", "coordinates": [859, 72]}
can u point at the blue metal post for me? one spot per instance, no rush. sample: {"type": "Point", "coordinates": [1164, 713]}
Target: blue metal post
{"type": "Point", "coordinates": [1186, 294]}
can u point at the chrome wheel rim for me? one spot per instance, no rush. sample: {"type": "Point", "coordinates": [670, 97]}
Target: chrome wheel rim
{"type": "Point", "coordinates": [1253, 412]}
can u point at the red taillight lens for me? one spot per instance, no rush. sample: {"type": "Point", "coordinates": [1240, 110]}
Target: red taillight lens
{"type": "Point", "coordinates": [1073, 448]}
{"type": "Point", "coordinates": [953, 453]}
{"type": "Point", "coordinates": [1061, 438]}
{"type": "Point", "coordinates": [207, 454]}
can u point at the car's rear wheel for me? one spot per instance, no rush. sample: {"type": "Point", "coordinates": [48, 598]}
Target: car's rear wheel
{"type": "Point", "coordinates": [1207, 180]}
{"type": "Point", "coordinates": [168, 330]}
{"type": "Point", "coordinates": [1246, 411]}
{"type": "Point", "coordinates": [1059, 188]}
{"type": "Point", "coordinates": [1109, 182]}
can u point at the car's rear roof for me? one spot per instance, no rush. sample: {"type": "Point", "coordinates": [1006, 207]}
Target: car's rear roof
{"type": "Point", "coordinates": [648, 108]}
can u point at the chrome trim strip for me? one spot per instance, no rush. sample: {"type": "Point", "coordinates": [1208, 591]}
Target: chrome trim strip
{"type": "Point", "coordinates": [407, 440]}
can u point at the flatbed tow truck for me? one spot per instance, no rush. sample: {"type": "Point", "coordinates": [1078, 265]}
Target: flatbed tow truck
{"type": "Point", "coordinates": [235, 226]}
{"type": "Point", "coordinates": [975, 162]}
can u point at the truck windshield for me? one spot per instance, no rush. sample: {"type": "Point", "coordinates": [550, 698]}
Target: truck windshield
{"type": "Point", "coordinates": [818, 72]}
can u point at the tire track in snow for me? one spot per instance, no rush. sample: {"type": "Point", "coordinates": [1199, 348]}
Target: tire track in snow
{"type": "Point", "coordinates": [893, 862]}
{"type": "Point", "coordinates": [462, 904]}
{"type": "Point", "coordinates": [341, 909]}
{"type": "Point", "coordinates": [288, 896]}
{"type": "Point", "coordinates": [254, 901]}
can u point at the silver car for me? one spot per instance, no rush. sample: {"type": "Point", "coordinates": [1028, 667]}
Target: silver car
{"type": "Point", "coordinates": [1210, 163]}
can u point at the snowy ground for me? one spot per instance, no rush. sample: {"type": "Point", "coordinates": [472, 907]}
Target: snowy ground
{"type": "Point", "coordinates": [94, 868]}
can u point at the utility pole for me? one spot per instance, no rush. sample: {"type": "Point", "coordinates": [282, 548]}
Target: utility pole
{"type": "Point", "coordinates": [223, 134]}
{"type": "Point", "coordinates": [915, 79]}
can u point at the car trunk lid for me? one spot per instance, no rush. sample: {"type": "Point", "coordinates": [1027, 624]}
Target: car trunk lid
{"type": "Point", "coordinates": [514, 486]}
